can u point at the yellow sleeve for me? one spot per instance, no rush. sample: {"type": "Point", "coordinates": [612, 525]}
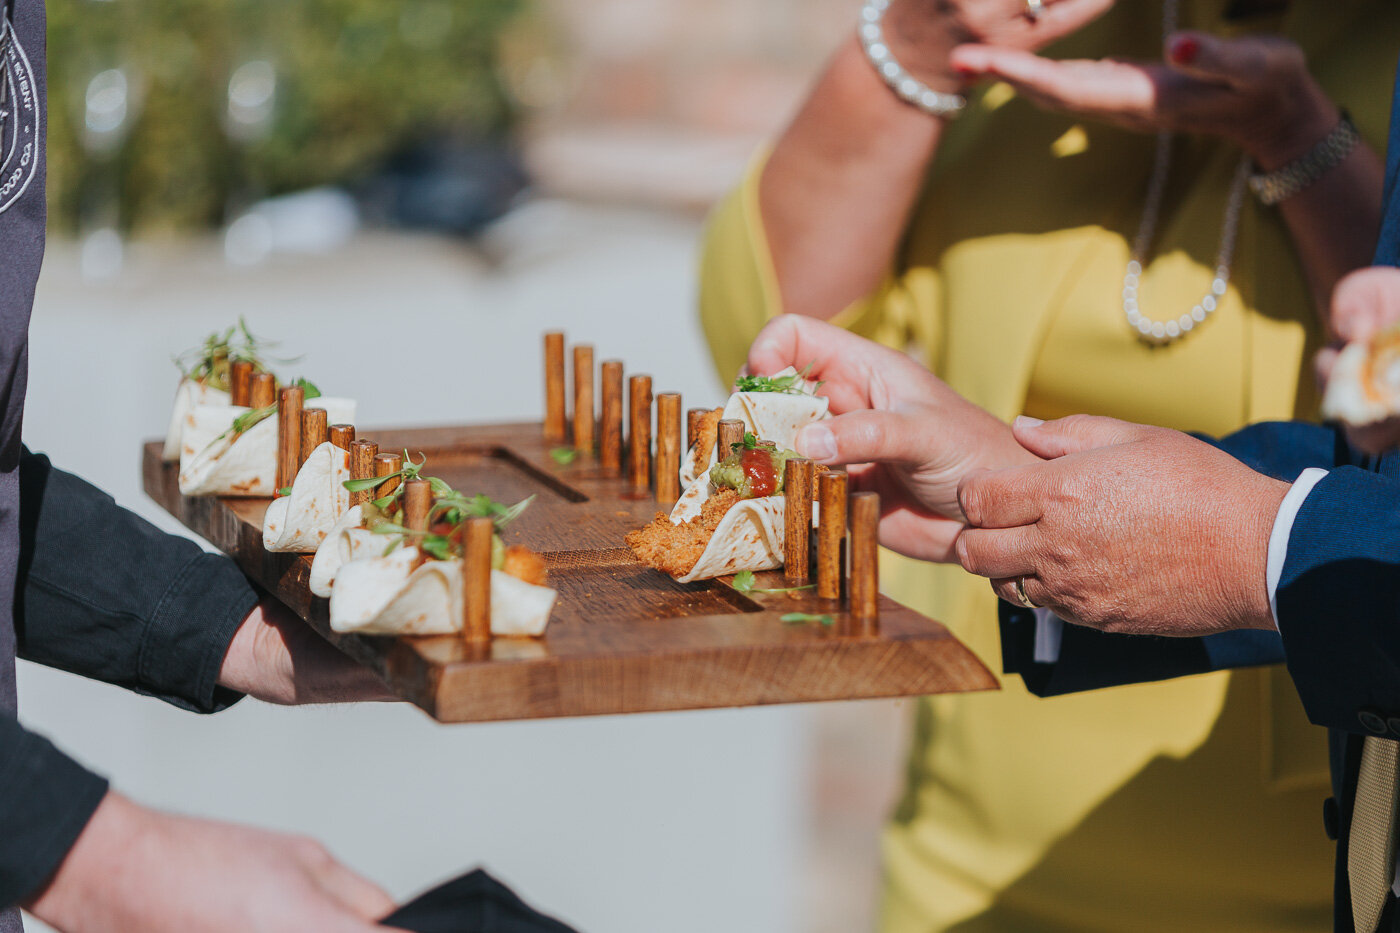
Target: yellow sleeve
{"type": "Point", "coordinates": [739, 288]}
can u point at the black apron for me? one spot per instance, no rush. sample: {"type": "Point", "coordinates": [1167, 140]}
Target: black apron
{"type": "Point", "coordinates": [22, 218]}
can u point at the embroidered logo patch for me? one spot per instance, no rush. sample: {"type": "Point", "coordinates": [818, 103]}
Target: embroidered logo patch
{"type": "Point", "coordinates": [19, 126]}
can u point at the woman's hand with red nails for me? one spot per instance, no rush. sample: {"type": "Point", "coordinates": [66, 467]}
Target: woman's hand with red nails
{"type": "Point", "coordinates": [1255, 90]}
{"type": "Point", "coordinates": [922, 33]}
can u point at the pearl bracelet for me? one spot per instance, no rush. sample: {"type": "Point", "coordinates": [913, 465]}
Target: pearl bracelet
{"type": "Point", "coordinates": [908, 88]}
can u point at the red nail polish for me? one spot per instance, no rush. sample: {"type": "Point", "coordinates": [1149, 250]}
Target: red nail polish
{"type": "Point", "coordinates": [965, 72]}
{"type": "Point", "coordinates": [1184, 50]}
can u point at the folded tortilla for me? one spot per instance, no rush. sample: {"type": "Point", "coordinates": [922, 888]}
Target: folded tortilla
{"type": "Point", "coordinates": [386, 595]}
{"type": "Point", "coordinates": [750, 536]}
{"type": "Point", "coordinates": [302, 520]}
{"type": "Point", "coordinates": [1365, 383]}
{"type": "Point", "coordinates": [188, 395]}
{"type": "Point", "coordinates": [215, 463]}
{"type": "Point", "coordinates": [770, 416]}
{"type": "Point", "coordinates": [345, 542]}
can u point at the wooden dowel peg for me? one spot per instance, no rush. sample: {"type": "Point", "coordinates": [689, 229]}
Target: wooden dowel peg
{"type": "Point", "coordinates": [610, 430]}
{"type": "Point", "coordinates": [797, 531]}
{"type": "Point", "coordinates": [584, 414]}
{"type": "Point", "coordinates": [831, 532]}
{"type": "Point", "coordinates": [314, 431]}
{"type": "Point", "coordinates": [362, 454]}
{"type": "Point", "coordinates": [693, 419]}
{"type": "Point", "coordinates": [289, 402]}
{"type": "Point", "coordinates": [668, 446]}
{"type": "Point", "coordinates": [417, 503]}
{"type": "Point", "coordinates": [341, 435]}
{"type": "Point", "coordinates": [639, 432]}
{"type": "Point", "coordinates": [262, 390]}
{"type": "Point", "coordinates": [240, 372]}
{"type": "Point", "coordinates": [865, 556]}
{"type": "Point", "coordinates": [731, 432]}
{"type": "Point", "coordinates": [476, 579]}
{"type": "Point", "coordinates": [385, 464]}
{"type": "Point", "coordinates": [554, 420]}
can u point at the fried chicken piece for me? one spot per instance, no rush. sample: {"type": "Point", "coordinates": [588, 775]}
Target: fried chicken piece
{"type": "Point", "coordinates": [706, 434]}
{"type": "Point", "coordinates": [674, 549]}
{"type": "Point", "coordinates": [524, 564]}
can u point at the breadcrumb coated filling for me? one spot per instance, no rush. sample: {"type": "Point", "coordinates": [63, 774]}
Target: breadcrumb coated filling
{"type": "Point", "coordinates": [675, 549]}
{"type": "Point", "coordinates": [524, 564]}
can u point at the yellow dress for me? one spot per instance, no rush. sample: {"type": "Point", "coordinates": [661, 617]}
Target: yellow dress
{"type": "Point", "coordinates": [1193, 804]}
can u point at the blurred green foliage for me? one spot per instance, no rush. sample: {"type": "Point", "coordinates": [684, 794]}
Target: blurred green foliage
{"type": "Point", "coordinates": [355, 80]}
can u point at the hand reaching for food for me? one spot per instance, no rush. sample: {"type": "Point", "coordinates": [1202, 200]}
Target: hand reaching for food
{"type": "Point", "coordinates": [898, 429]}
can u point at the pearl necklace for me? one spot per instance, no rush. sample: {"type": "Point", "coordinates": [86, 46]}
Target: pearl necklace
{"type": "Point", "coordinates": [1160, 333]}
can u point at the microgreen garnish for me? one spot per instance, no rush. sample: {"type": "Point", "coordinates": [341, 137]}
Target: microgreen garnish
{"type": "Point", "coordinates": [408, 471]}
{"type": "Point", "coordinates": [209, 362]}
{"type": "Point", "coordinates": [254, 416]}
{"type": "Point", "coordinates": [452, 508]}
{"type": "Point", "coordinates": [794, 384]}
{"type": "Point", "coordinates": [285, 491]}
{"type": "Point", "coordinates": [563, 455]}
{"type": "Point", "coordinates": [369, 482]}
{"type": "Point", "coordinates": [456, 507]}
{"type": "Point", "coordinates": [750, 442]}
{"type": "Point", "coordinates": [439, 546]}
{"type": "Point", "coordinates": [802, 618]}
{"type": "Point", "coordinates": [744, 583]}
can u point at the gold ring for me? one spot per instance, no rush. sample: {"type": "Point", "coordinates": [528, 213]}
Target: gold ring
{"type": "Point", "coordinates": [1034, 8]}
{"type": "Point", "coordinates": [1021, 594]}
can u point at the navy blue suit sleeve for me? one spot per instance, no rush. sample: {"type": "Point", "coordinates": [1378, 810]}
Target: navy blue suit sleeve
{"type": "Point", "coordinates": [1388, 241]}
{"type": "Point", "coordinates": [1090, 660]}
{"type": "Point", "coordinates": [1339, 599]}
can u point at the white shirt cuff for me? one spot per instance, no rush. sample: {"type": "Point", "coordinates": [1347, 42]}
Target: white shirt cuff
{"type": "Point", "coordinates": [1283, 527]}
{"type": "Point", "coordinates": [1049, 629]}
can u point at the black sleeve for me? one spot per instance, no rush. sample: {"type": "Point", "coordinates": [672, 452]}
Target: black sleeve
{"type": "Point", "coordinates": [104, 593]}
{"type": "Point", "coordinates": [46, 799]}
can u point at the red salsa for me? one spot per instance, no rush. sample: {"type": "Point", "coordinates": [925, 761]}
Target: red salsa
{"type": "Point", "coordinates": [758, 470]}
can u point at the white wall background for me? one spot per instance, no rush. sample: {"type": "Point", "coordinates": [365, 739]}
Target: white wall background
{"type": "Point", "coordinates": [682, 822]}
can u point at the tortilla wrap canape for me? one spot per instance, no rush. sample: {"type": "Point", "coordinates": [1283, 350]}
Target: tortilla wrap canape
{"type": "Point", "coordinates": [400, 593]}
{"type": "Point", "coordinates": [189, 395]}
{"type": "Point", "coordinates": [216, 462]}
{"type": "Point", "coordinates": [347, 540]}
{"type": "Point", "coordinates": [302, 520]}
{"type": "Point", "coordinates": [775, 416]}
{"type": "Point", "coordinates": [1364, 386]}
{"type": "Point", "coordinates": [714, 531]}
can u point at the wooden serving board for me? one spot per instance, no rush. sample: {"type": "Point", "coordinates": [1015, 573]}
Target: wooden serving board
{"type": "Point", "coordinates": [623, 638]}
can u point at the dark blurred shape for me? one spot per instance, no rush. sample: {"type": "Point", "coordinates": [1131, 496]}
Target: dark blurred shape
{"type": "Point", "coordinates": [473, 903]}
{"type": "Point", "coordinates": [445, 185]}
{"type": "Point", "coordinates": [1245, 9]}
